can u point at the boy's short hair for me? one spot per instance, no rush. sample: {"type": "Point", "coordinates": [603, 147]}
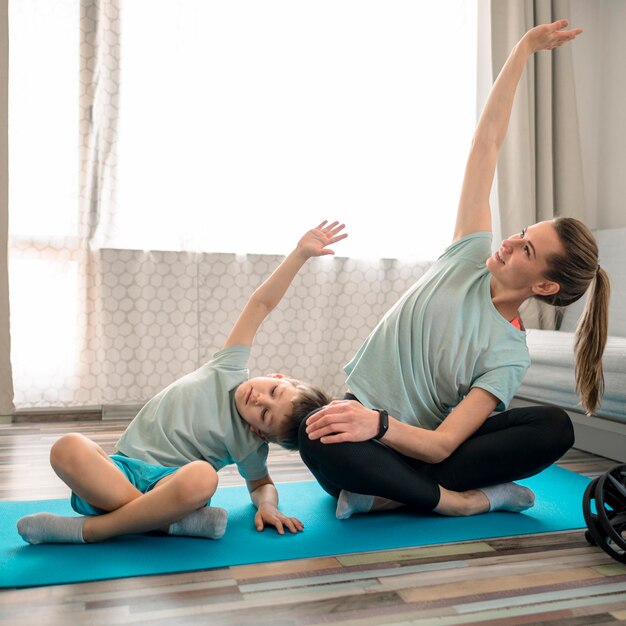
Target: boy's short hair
{"type": "Point", "coordinates": [308, 399]}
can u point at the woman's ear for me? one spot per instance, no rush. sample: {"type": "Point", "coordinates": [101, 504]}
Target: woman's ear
{"type": "Point", "coordinates": [546, 288]}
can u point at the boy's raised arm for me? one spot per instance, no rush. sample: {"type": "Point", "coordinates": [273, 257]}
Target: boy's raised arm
{"type": "Point", "coordinates": [315, 242]}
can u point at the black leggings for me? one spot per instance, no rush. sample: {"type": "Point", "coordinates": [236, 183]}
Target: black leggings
{"type": "Point", "coordinates": [509, 446]}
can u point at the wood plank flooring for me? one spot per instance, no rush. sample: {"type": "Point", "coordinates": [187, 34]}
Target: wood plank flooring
{"type": "Point", "coordinates": [553, 578]}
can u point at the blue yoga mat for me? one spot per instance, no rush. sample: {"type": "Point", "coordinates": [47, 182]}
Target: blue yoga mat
{"type": "Point", "coordinates": [558, 507]}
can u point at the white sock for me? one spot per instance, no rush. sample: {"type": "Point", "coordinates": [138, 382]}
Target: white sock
{"type": "Point", "coordinates": [49, 528]}
{"type": "Point", "coordinates": [208, 522]}
{"type": "Point", "coordinates": [509, 497]}
{"type": "Point", "coordinates": [349, 503]}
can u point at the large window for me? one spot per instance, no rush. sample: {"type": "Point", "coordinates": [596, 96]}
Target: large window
{"type": "Point", "coordinates": [197, 125]}
{"type": "Point", "coordinates": [43, 194]}
{"type": "Point", "coordinates": [240, 122]}
{"type": "Point", "coordinates": [43, 118]}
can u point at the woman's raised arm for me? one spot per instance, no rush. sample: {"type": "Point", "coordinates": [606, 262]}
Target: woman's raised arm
{"type": "Point", "coordinates": [474, 213]}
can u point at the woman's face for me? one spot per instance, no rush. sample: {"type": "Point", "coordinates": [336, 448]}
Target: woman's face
{"type": "Point", "coordinates": [521, 260]}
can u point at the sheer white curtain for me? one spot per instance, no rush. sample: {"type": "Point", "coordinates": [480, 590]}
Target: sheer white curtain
{"type": "Point", "coordinates": [242, 121]}
{"type": "Point", "coordinates": [215, 133]}
{"type": "Point", "coordinates": [45, 258]}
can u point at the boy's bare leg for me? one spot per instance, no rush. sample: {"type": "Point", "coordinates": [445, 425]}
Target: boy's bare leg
{"type": "Point", "coordinates": [175, 497]}
{"type": "Point", "coordinates": [89, 472]}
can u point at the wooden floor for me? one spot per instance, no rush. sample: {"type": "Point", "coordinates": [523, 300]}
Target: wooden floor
{"type": "Point", "coordinates": [554, 578]}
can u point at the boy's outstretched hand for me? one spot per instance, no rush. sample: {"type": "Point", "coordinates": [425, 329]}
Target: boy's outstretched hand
{"type": "Point", "coordinates": [269, 515]}
{"type": "Point", "coordinates": [316, 241]}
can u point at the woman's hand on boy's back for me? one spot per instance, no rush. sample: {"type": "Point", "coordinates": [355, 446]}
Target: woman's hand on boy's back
{"type": "Point", "coordinates": [315, 242]}
{"type": "Point", "coordinates": [343, 420]}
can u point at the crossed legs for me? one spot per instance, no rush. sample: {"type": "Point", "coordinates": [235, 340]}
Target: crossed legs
{"type": "Point", "coordinates": [476, 478]}
{"type": "Point", "coordinates": [175, 500]}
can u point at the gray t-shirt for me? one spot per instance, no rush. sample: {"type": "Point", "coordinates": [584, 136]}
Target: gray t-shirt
{"type": "Point", "coordinates": [443, 337]}
{"type": "Point", "coordinates": [195, 418]}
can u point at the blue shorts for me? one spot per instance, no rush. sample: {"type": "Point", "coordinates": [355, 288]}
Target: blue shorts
{"type": "Point", "coordinates": [144, 476]}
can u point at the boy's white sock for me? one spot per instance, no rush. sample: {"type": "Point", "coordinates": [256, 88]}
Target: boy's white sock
{"type": "Point", "coordinates": [509, 497]}
{"type": "Point", "coordinates": [50, 528]}
{"type": "Point", "coordinates": [349, 503]}
{"type": "Point", "coordinates": [208, 522]}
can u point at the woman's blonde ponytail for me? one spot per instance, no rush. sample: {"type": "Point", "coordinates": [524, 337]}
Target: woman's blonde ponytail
{"type": "Point", "coordinates": [575, 270]}
{"type": "Point", "coordinates": [591, 334]}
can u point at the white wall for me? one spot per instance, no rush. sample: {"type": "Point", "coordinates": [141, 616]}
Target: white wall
{"type": "Point", "coordinates": [599, 60]}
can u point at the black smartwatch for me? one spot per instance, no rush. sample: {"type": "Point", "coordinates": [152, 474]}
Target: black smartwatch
{"type": "Point", "coordinates": [384, 423]}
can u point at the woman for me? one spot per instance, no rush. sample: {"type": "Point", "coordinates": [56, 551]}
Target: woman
{"type": "Point", "coordinates": [447, 355]}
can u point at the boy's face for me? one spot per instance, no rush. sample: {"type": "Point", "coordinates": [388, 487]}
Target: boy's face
{"type": "Point", "coordinates": [265, 402]}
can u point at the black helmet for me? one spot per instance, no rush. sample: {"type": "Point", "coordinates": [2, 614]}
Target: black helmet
{"type": "Point", "coordinates": [604, 508]}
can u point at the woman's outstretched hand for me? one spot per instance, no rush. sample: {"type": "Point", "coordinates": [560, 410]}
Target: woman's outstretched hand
{"type": "Point", "coordinates": [315, 242]}
{"type": "Point", "coordinates": [549, 36]}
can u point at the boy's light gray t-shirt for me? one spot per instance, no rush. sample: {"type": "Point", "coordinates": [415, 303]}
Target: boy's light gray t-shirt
{"type": "Point", "coordinates": [443, 337]}
{"type": "Point", "coordinates": [195, 418]}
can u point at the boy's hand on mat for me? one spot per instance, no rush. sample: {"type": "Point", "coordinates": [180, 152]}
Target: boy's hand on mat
{"type": "Point", "coordinates": [316, 241]}
{"type": "Point", "coordinates": [269, 515]}
{"type": "Point", "coordinates": [343, 420]}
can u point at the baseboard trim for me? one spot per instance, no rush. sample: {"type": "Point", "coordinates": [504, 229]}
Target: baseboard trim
{"type": "Point", "coordinates": [598, 435]}
{"type": "Point", "coordinates": [74, 414]}
{"type": "Point", "coordinates": [120, 411]}
{"type": "Point", "coordinates": [61, 414]}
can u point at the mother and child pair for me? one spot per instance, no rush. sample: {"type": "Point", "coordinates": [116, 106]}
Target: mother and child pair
{"type": "Point", "coordinates": [424, 424]}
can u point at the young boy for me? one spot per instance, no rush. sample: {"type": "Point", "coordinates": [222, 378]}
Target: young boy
{"type": "Point", "coordinates": [166, 472]}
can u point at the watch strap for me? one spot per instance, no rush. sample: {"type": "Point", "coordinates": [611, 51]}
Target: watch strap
{"type": "Point", "coordinates": [384, 423]}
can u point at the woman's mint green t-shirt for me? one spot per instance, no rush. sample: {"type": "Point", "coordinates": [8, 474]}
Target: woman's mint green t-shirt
{"type": "Point", "coordinates": [443, 337]}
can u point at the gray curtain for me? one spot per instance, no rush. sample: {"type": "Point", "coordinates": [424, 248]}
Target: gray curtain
{"type": "Point", "coordinates": [6, 379]}
{"type": "Point", "coordinates": [540, 172]}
